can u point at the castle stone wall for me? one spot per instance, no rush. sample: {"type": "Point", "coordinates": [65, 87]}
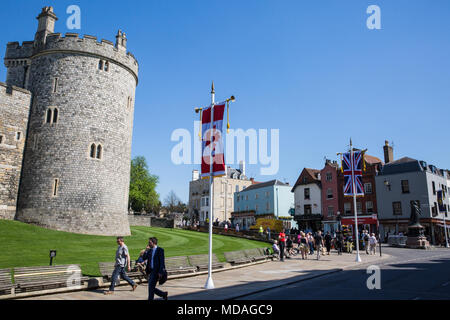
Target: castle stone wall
{"type": "Point", "coordinates": [14, 109]}
{"type": "Point", "coordinates": [93, 107]}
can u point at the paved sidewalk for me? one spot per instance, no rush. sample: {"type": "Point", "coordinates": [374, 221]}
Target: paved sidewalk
{"type": "Point", "coordinates": [233, 283]}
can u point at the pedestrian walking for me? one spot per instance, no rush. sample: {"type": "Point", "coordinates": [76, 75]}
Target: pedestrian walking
{"type": "Point", "coordinates": [318, 240]}
{"type": "Point", "coordinates": [122, 261]}
{"type": "Point", "coordinates": [225, 227]}
{"type": "Point", "coordinates": [237, 227]}
{"type": "Point", "coordinates": [339, 243]}
{"type": "Point", "coordinates": [373, 243]}
{"type": "Point", "coordinates": [311, 243]}
{"type": "Point", "coordinates": [328, 242]}
{"type": "Point", "coordinates": [268, 233]}
{"type": "Point", "coordinates": [261, 231]}
{"type": "Point", "coordinates": [303, 245]}
{"type": "Point", "coordinates": [156, 268]}
{"type": "Point", "coordinates": [282, 240]}
{"type": "Point", "coordinates": [366, 241]}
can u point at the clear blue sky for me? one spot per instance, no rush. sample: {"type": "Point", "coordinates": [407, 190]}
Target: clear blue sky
{"type": "Point", "coordinates": [309, 68]}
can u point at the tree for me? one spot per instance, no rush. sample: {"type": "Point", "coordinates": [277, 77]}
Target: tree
{"type": "Point", "coordinates": [173, 203]}
{"type": "Point", "coordinates": [143, 195]}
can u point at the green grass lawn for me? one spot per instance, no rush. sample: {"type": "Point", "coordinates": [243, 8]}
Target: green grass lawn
{"type": "Point", "coordinates": [27, 245]}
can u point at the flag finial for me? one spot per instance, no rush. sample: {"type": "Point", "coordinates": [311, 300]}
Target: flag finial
{"type": "Point", "coordinates": [212, 88]}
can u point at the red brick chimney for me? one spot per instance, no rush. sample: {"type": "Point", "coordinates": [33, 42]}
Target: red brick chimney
{"type": "Point", "coordinates": [388, 152]}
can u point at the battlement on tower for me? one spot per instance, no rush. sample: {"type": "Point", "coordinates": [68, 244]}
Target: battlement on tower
{"type": "Point", "coordinates": [89, 44]}
{"type": "Point", "coordinates": [16, 51]}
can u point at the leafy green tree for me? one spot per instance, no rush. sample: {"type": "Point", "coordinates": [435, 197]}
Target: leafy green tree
{"type": "Point", "coordinates": [143, 195]}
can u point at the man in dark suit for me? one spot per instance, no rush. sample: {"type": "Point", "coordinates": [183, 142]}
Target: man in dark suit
{"type": "Point", "coordinates": [155, 266]}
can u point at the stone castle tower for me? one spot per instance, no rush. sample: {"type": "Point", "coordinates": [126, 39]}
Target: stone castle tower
{"type": "Point", "coordinates": [76, 162]}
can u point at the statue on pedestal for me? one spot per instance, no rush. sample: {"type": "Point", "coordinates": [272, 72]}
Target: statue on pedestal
{"type": "Point", "coordinates": [416, 236]}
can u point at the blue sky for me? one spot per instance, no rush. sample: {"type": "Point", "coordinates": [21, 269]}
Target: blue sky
{"type": "Point", "coordinates": [311, 69]}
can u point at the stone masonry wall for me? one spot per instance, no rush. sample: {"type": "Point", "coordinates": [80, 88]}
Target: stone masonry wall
{"type": "Point", "coordinates": [92, 104]}
{"type": "Point", "coordinates": [14, 109]}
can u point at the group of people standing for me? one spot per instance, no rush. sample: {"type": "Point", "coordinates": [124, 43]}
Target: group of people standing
{"type": "Point", "coordinates": [151, 262]}
{"type": "Point", "coordinates": [308, 243]}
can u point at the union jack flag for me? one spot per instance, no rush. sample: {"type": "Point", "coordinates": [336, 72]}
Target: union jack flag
{"type": "Point", "coordinates": [356, 164]}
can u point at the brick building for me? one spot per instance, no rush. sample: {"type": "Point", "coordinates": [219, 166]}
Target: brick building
{"type": "Point", "coordinates": [366, 205]}
{"type": "Point", "coordinates": [331, 197]}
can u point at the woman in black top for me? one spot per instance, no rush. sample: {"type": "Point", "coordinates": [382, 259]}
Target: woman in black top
{"type": "Point", "coordinates": [328, 242]}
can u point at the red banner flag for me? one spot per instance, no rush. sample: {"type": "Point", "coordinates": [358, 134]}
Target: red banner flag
{"type": "Point", "coordinates": [216, 148]}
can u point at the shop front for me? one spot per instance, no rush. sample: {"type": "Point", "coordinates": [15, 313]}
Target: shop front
{"type": "Point", "coordinates": [368, 222]}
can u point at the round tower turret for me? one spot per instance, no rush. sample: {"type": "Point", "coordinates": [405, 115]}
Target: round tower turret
{"type": "Point", "coordinates": [76, 168]}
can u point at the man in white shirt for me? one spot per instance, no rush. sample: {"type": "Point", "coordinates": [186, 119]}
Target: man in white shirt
{"type": "Point", "coordinates": [373, 243]}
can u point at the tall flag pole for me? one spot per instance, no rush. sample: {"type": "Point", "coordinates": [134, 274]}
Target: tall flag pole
{"type": "Point", "coordinates": [209, 282]}
{"type": "Point", "coordinates": [213, 158]}
{"type": "Point", "coordinates": [353, 162]}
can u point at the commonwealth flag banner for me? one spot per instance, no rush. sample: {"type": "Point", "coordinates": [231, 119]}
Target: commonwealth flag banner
{"type": "Point", "coordinates": [216, 148]}
{"type": "Point", "coordinates": [356, 164]}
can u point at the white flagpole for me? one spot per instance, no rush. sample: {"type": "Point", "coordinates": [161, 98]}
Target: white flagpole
{"type": "Point", "coordinates": [358, 258]}
{"type": "Point", "coordinates": [209, 283]}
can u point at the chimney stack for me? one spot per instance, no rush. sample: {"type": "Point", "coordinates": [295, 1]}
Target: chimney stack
{"type": "Point", "coordinates": [388, 152]}
{"type": "Point", "coordinates": [195, 175]}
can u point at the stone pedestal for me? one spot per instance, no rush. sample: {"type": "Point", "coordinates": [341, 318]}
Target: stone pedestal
{"type": "Point", "coordinates": [416, 238]}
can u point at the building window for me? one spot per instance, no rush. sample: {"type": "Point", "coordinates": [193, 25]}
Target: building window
{"type": "Point", "coordinates": [308, 209]}
{"type": "Point", "coordinates": [99, 151]}
{"type": "Point", "coordinates": [55, 85]}
{"type": "Point", "coordinates": [359, 207]}
{"type": "Point", "coordinates": [100, 65]}
{"type": "Point", "coordinates": [1, 139]}
{"type": "Point", "coordinates": [369, 206]}
{"type": "Point", "coordinates": [55, 115]}
{"type": "Point", "coordinates": [329, 193]}
{"type": "Point", "coordinates": [329, 176]}
{"type": "Point", "coordinates": [237, 189]}
{"type": "Point", "coordinates": [267, 194]}
{"type": "Point", "coordinates": [18, 135]}
{"type": "Point", "coordinates": [434, 187]}
{"type": "Point", "coordinates": [268, 206]}
{"type": "Point", "coordinates": [107, 66]}
{"type": "Point", "coordinates": [397, 208]}
{"type": "Point", "coordinates": [347, 208]}
{"type": "Point", "coordinates": [55, 187]}
{"type": "Point", "coordinates": [368, 188]}
{"type": "Point", "coordinates": [330, 211]}
{"type": "Point", "coordinates": [256, 195]}
{"type": "Point", "coordinates": [306, 193]}
{"type": "Point", "coordinates": [434, 210]}
{"type": "Point", "coordinates": [246, 197]}
{"type": "Point", "coordinates": [405, 186]}
{"type": "Point", "coordinates": [51, 116]}
{"type": "Point", "coordinates": [129, 102]}
{"type": "Point", "coordinates": [256, 207]}
{"type": "Point", "coordinates": [93, 149]}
